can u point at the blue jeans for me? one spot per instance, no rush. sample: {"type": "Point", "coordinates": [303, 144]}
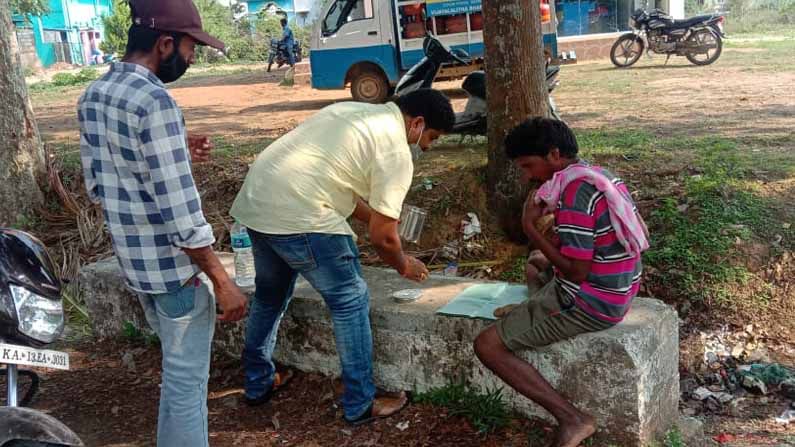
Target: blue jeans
{"type": "Point", "coordinates": [288, 48]}
{"type": "Point", "coordinates": [331, 265]}
{"type": "Point", "coordinates": [184, 320]}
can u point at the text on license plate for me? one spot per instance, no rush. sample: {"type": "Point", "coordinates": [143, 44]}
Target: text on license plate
{"type": "Point", "coordinates": [22, 355]}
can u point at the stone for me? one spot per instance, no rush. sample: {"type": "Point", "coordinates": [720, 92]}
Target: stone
{"type": "Point", "coordinates": [108, 301]}
{"type": "Point", "coordinates": [128, 361]}
{"type": "Point", "coordinates": [627, 377]}
{"type": "Point", "coordinates": [692, 430]}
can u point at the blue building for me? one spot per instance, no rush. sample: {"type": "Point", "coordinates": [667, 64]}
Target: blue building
{"type": "Point", "coordinates": [302, 12]}
{"type": "Point", "coordinates": [69, 33]}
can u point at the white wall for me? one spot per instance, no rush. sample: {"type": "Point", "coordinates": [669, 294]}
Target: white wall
{"type": "Point", "coordinates": [677, 8]}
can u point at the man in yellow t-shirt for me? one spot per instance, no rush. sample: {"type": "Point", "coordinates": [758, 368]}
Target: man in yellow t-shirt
{"type": "Point", "coordinates": [348, 160]}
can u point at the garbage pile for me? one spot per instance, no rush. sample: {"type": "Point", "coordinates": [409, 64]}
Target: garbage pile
{"type": "Point", "coordinates": [737, 370]}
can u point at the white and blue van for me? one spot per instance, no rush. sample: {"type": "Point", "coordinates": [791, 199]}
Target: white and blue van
{"type": "Point", "coordinates": [369, 44]}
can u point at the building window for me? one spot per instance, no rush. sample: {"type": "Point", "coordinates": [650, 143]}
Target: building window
{"type": "Point", "coordinates": [580, 17]}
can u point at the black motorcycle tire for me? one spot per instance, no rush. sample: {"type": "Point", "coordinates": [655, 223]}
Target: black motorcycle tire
{"type": "Point", "coordinates": [712, 59]}
{"type": "Point", "coordinates": [618, 44]}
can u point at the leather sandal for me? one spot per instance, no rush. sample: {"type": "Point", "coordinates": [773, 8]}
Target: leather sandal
{"type": "Point", "coordinates": [280, 381]}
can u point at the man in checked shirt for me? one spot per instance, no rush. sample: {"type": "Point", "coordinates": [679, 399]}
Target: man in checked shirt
{"type": "Point", "coordinates": [137, 165]}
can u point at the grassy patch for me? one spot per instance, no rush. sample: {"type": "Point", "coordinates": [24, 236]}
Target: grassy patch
{"type": "Point", "coordinates": [695, 241]}
{"type": "Point", "coordinates": [132, 334]}
{"type": "Point", "coordinates": [516, 273]}
{"type": "Point", "coordinates": [226, 148]}
{"type": "Point", "coordinates": [486, 412]}
{"type": "Point", "coordinates": [64, 81]}
{"type": "Point", "coordinates": [76, 316]}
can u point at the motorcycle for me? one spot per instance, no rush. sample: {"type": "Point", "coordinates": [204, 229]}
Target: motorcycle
{"type": "Point", "coordinates": [472, 120]}
{"type": "Point", "coordinates": [699, 39]}
{"type": "Point", "coordinates": [278, 53]}
{"type": "Point", "coordinates": [31, 317]}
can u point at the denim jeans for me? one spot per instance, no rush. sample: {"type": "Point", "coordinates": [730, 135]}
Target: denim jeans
{"type": "Point", "coordinates": [184, 320]}
{"type": "Point", "coordinates": [330, 263]}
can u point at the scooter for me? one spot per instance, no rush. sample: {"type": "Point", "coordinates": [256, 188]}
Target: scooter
{"type": "Point", "coordinates": [31, 317]}
{"type": "Point", "coordinates": [472, 121]}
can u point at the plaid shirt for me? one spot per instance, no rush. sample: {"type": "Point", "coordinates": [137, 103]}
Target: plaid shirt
{"type": "Point", "coordinates": [136, 164]}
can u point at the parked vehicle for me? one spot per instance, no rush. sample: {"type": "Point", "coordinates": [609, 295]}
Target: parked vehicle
{"type": "Point", "coordinates": [278, 53]}
{"type": "Point", "coordinates": [371, 44]}
{"type": "Point", "coordinates": [699, 39]}
{"type": "Point", "coordinates": [31, 317]}
{"type": "Point", "coordinates": [473, 119]}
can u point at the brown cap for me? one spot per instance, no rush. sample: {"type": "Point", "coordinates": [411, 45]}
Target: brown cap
{"type": "Point", "coordinates": [180, 16]}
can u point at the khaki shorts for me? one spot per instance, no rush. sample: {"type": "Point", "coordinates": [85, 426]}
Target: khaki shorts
{"type": "Point", "coordinates": [547, 317]}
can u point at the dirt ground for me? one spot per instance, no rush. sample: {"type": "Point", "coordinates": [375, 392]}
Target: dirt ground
{"type": "Point", "coordinates": [745, 94]}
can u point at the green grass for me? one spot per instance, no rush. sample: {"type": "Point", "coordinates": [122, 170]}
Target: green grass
{"type": "Point", "coordinates": [486, 412]}
{"type": "Point", "coordinates": [62, 82]}
{"type": "Point", "coordinates": [227, 148]}
{"type": "Point", "coordinates": [517, 273]}
{"type": "Point", "coordinates": [132, 334]}
{"type": "Point", "coordinates": [77, 317]}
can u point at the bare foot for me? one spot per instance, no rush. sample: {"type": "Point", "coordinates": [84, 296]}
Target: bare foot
{"type": "Point", "coordinates": [571, 434]}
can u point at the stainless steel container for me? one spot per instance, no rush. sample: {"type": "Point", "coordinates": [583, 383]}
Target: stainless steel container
{"type": "Point", "coordinates": [411, 221]}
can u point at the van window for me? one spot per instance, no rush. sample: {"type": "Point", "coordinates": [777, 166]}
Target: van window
{"type": "Point", "coordinates": [344, 11]}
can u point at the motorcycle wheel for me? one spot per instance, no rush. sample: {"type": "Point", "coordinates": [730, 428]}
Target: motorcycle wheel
{"type": "Point", "coordinates": [705, 37]}
{"type": "Point", "coordinates": [626, 50]}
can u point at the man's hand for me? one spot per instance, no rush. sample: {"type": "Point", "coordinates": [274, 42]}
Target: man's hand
{"type": "Point", "coordinates": [415, 270]}
{"type": "Point", "coordinates": [531, 211]}
{"type": "Point", "coordinates": [232, 302]}
{"type": "Point", "coordinates": [200, 147]}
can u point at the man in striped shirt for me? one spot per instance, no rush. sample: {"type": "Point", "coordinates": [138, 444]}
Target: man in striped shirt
{"type": "Point", "coordinates": [595, 276]}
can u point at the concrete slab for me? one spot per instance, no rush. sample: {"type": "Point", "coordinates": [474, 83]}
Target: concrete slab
{"type": "Point", "coordinates": [627, 377]}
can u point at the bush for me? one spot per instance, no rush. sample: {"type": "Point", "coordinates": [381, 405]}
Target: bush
{"type": "Point", "coordinates": [759, 15]}
{"type": "Point", "coordinates": [83, 76]}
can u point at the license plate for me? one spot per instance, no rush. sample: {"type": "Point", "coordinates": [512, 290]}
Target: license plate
{"type": "Point", "coordinates": [21, 355]}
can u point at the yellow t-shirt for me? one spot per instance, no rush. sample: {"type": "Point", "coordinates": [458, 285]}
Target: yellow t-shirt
{"type": "Point", "coordinates": [308, 180]}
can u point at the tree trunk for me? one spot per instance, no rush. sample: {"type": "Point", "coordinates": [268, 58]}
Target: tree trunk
{"type": "Point", "coordinates": [516, 88]}
{"type": "Point", "coordinates": [22, 163]}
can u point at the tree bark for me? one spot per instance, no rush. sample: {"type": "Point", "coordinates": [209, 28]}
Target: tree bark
{"type": "Point", "coordinates": [516, 87]}
{"type": "Point", "coordinates": [22, 164]}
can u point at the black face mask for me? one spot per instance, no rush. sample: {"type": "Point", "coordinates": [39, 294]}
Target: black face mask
{"type": "Point", "coordinates": [174, 67]}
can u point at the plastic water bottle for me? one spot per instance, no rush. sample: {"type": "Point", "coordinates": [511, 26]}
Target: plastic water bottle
{"type": "Point", "coordinates": [244, 257]}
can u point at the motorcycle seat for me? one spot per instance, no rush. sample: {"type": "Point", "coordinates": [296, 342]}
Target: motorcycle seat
{"type": "Point", "coordinates": [687, 23]}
